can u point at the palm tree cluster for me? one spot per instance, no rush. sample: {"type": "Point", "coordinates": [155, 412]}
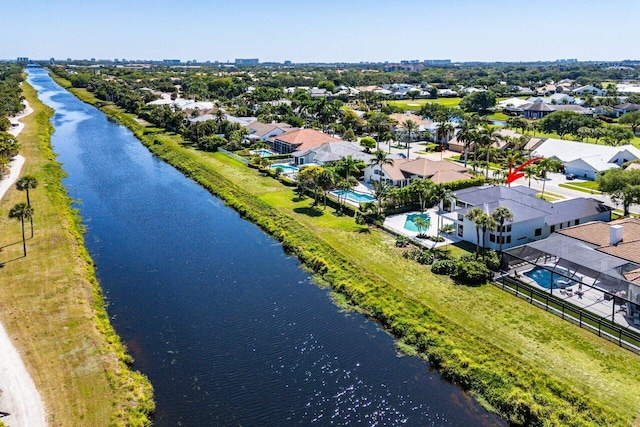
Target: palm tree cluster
{"type": "Point", "coordinates": [488, 222]}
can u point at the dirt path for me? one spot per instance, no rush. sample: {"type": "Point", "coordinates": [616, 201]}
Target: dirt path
{"type": "Point", "coordinates": [19, 397]}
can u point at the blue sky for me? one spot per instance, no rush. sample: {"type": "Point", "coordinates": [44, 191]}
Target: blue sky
{"type": "Point", "coordinates": [327, 31]}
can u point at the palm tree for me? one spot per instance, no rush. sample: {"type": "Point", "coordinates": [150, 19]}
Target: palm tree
{"type": "Point", "coordinates": [347, 165]}
{"type": "Point", "coordinates": [530, 171]}
{"type": "Point", "coordinates": [475, 215]}
{"type": "Point", "coordinates": [380, 158]}
{"type": "Point", "coordinates": [422, 189]}
{"type": "Point", "coordinates": [439, 193]}
{"type": "Point", "coordinates": [24, 184]}
{"type": "Point", "coordinates": [502, 214]}
{"type": "Point", "coordinates": [466, 137]}
{"type": "Point", "coordinates": [409, 126]}
{"type": "Point", "coordinates": [325, 181]}
{"type": "Point", "coordinates": [486, 222]}
{"type": "Point", "coordinates": [544, 166]}
{"type": "Point", "coordinates": [21, 211]}
{"type": "Point", "coordinates": [380, 192]}
{"type": "Point", "coordinates": [443, 132]}
{"type": "Point", "coordinates": [381, 123]}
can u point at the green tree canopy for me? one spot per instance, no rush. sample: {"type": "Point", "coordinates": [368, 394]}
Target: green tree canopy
{"type": "Point", "coordinates": [478, 101]}
{"type": "Point", "coordinates": [622, 185]}
{"type": "Point", "coordinates": [567, 122]}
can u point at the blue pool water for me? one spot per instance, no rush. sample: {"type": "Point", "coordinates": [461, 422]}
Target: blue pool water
{"type": "Point", "coordinates": [354, 196]}
{"type": "Point", "coordinates": [263, 152]}
{"type": "Point", "coordinates": [543, 278]}
{"type": "Point", "coordinates": [285, 168]}
{"type": "Point", "coordinates": [410, 225]}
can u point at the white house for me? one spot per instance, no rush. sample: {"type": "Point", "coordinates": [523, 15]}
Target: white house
{"type": "Point", "coordinates": [534, 218]}
{"type": "Point", "coordinates": [589, 90]}
{"type": "Point", "coordinates": [330, 152]}
{"type": "Point", "coordinates": [403, 171]}
{"type": "Point", "coordinates": [586, 160]}
{"type": "Point", "coordinates": [263, 131]}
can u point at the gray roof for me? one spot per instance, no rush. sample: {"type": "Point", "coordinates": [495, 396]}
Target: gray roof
{"type": "Point", "coordinates": [492, 193]}
{"type": "Point", "coordinates": [335, 151]}
{"type": "Point", "coordinates": [521, 210]}
{"type": "Point", "coordinates": [537, 106]}
{"type": "Point", "coordinates": [524, 204]}
{"type": "Point", "coordinates": [568, 210]}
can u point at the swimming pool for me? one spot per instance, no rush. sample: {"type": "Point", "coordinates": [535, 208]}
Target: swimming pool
{"type": "Point", "coordinates": [410, 225]}
{"type": "Point", "coordinates": [286, 168]}
{"type": "Point", "coordinates": [263, 152]}
{"type": "Point", "coordinates": [543, 278]}
{"type": "Point", "coordinates": [354, 196]}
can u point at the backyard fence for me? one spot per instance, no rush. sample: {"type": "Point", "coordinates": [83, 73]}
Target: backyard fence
{"type": "Point", "coordinates": [605, 328]}
{"type": "Point", "coordinates": [233, 156]}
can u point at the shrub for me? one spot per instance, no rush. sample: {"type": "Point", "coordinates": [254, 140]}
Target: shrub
{"type": "Point", "coordinates": [473, 272]}
{"type": "Point", "coordinates": [444, 266]}
{"type": "Point", "coordinates": [492, 260]}
{"type": "Point", "coordinates": [402, 242]}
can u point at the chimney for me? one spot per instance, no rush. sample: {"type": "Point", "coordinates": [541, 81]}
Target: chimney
{"type": "Point", "coordinates": [615, 234]}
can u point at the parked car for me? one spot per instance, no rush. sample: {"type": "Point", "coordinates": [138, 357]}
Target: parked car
{"type": "Point", "coordinates": [571, 176]}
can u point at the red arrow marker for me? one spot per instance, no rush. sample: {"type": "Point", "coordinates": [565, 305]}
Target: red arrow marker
{"type": "Point", "coordinates": [516, 174]}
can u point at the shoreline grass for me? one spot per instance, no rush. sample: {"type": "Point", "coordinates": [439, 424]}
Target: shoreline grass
{"type": "Point", "coordinates": [52, 305]}
{"type": "Point", "coordinates": [521, 362]}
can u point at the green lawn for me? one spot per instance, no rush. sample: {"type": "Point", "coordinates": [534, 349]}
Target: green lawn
{"type": "Point", "coordinates": [590, 187]}
{"type": "Point", "coordinates": [414, 105]}
{"type": "Point", "coordinates": [514, 357]}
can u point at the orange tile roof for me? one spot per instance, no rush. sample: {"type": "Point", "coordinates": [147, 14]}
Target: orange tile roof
{"type": "Point", "coordinates": [305, 139]}
{"type": "Point", "coordinates": [597, 233]}
{"type": "Point", "coordinates": [437, 171]}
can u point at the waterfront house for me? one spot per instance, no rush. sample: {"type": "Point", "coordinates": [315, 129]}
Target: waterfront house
{"type": "Point", "coordinates": [534, 218]}
{"type": "Point", "coordinates": [299, 140]}
{"type": "Point", "coordinates": [263, 131]}
{"type": "Point", "coordinates": [403, 171]}
{"type": "Point", "coordinates": [329, 153]}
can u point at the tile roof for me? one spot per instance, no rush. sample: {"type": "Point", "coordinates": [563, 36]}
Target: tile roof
{"type": "Point", "coordinates": [597, 233]}
{"type": "Point", "coordinates": [262, 129]}
{"type": "Point", "coordinates": [335, 151]}
{"type": "Point", "coordinates": [305, 139]}
{"type": "Point", "coordinates": [425, 168]}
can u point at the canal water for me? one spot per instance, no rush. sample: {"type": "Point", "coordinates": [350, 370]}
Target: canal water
{"type": "Point", "coordinates": [227, 327]}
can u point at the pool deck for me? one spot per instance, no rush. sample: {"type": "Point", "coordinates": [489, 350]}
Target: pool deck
{"type": "Point", "coordinates": [396, 223]}
{"type": "Point", "coordinates": [591, 299]}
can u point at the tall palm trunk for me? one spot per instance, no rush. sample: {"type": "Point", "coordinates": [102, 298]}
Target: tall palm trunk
{"type": "Point", "coordinates": [24, 240]}
{"type": "Point", "coordinates": [477, 240]}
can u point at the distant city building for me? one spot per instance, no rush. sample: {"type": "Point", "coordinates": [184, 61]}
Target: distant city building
{"type": "Point", "coordinates": [247, 61]}
{"type": "Point", "coordinates": [437, 62]}
{"type": "Point", "coordinates": [23, 59]}
{"type": "Point", "coordinates": [567, 61]}
{"type": "Point", "coordinates": [93, 59]}
{"type": "Point", "coordinates": [287, 62]}
{"type": "Point", "coordinates": [171, 61]}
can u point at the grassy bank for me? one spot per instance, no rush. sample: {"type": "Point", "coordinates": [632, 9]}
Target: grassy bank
{"type": "Point", "coordinates": [527, 365]}
{"type": "Point", "coordinates": [52, 305]}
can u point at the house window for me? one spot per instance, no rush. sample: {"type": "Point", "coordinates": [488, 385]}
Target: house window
{"type": "Point", "coordinates": [460, 217]}
{"type": "Point", "coordinates": [506, 228]}
{"type": "Point", "coordinates": [553, 228]}
{"type": "Point", "coordinates": [492, 238]}
{"type": "Point", "coordinates": [301, 161]}
{"type": "Point", "coordinates": [460, 230]}
{"type": "Point", "coordinates": [508, 239]}
{"type": "Point", "coordinates": [538, 232]}
{"type": "Point", "coordinates": [378, 172]}
{"type": "Point", "coordinates": [577, 221]}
